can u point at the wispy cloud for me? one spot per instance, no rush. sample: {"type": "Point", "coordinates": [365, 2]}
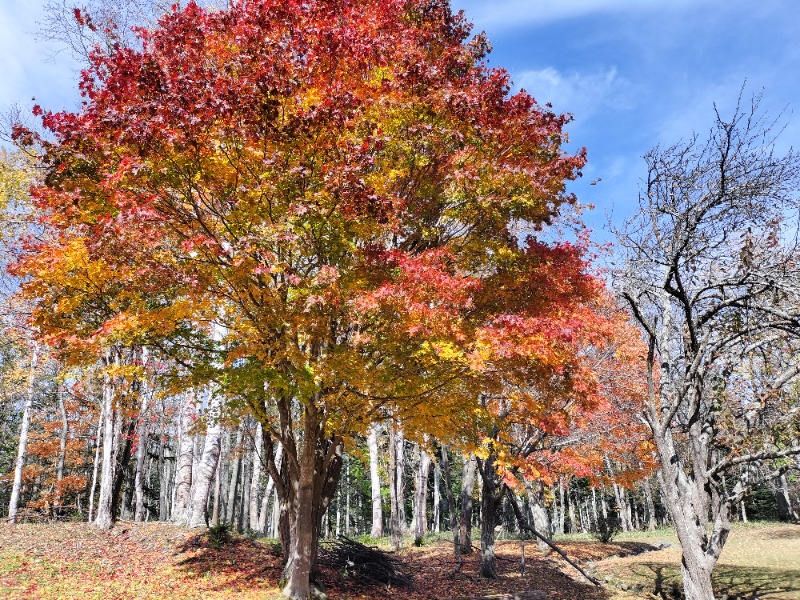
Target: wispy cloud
{"type": "Point", "coordinates": [581, 93]}
{"type": "Point", "coordinates": [515, 13]}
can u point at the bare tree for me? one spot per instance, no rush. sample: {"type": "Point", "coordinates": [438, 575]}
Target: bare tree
{"type": "Point", "coordinates": [709, 269]}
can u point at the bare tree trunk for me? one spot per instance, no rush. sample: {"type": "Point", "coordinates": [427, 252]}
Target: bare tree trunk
{"type": "Point", "coordinates": [649, 505]}
{"type": "Point", "coordinates": [105, 516]}
{"type": "Point", "coordinates": [467, 489]}
{"type": "Point", "coordinates": [62, 446]}
{"type": "Point", "coordinates": [492, 491]}
{"type": "Point", "coordinates": [451, 506]}
{"type": "Point", "coordinates": [437, 498]}
{"type": "Point", "coordinates": [561, 505]}
{"type": "Point", "coordinates": [421, 493]}
{"type": "Point", "coordinates": [141, 444]}
{"type": "Point", "coordinates": [375, 483]}
{"type": "Point", "coordinates": [395, 492]}
{"type": "Point", "coordinates": [262, 518]}
{"type": "Point", "coordinates": [22, 449]}
{"type": "Point", "coordinates": [98, 440]}
{"type": "Point", "coordinates": [208, 463]}
{"type": "Point", "coordinates": [186, 452]}
{"type": "Point", "coordinates": [541, 520]}
{"type": "Point", "coordinates": [255, 482]}
{"type": "Point", "coordinates": [234, 479]}
{"type": "Point", "coordinates": [400, 470]}
{"type": "Point", "coordinates": [217, 494]}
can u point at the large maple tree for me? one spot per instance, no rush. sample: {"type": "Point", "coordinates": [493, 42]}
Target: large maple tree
{"type": "Point", "coordinates": [339, 186]}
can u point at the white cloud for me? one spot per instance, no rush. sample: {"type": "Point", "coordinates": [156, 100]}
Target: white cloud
{"type": "Point", "coordinates": [582, 94]}
{"type": "Point", "coordinates": [515, 13]}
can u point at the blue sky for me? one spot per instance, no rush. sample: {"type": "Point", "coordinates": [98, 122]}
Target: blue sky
{"type": "Point", "coordinates": [633, 73]}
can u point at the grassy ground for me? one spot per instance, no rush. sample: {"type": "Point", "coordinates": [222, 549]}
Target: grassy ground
{"type": "Point", "coordinates": [157, 560]}
{"type": "Point", "coordinates": [760, 560]}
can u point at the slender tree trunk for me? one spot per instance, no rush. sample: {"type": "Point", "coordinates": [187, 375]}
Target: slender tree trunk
{"type": "Point", "coordinates": [255, 481]}
{"type": "Point", "coordinates": [400, 471]}
{"type": "Point", "coordinates": [375, 483]}
{"type": "Point", "coordinates": [421, 494]}
{"type": "Point", "coordinates": [230, 514]}
{"type": "Point", "coordinates": [208, 463]}
{"type": "Point", "coordinates": [649, 504]}
{"type": "Point", "coordinates": [467, 489]}
{"type": "Point", "coordinates": [437, 498]}
{"type": "Point", "coordinates": [561, 505]}
{"type": "Point", "coordinates": [22, 449]}
{"type": "Point", "coordinates": [395, 493]}
{"type": "Point", "coordinates": [105, 516]}
{"type": "Point", "coordinates": [62, 447]}
{"type": "Point", "coordinates": [217, 494]}
{"type": "Point", "coordinates": [98, 443]}
{"type": "Point", "coordinates": [451, 506]}
{"type": "Point", "coordinates": [262, 518]}
{"type": "Point", "coordinates": [181, 512]}
{"type": "Point", "coordinates": [141, 443]}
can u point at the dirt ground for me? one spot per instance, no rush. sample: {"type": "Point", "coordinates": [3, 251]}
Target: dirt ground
{"type": "Point", "coordinates": [156, 560]}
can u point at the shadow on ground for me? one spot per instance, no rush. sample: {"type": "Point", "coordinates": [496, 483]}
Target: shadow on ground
{"type": "Point", "coordinates": [739, 583]}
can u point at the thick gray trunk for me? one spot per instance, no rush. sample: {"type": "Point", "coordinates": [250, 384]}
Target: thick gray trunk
{"type": "Point", "coordinates": [375, 483]}
{"type": "Point", "coordinates": [22, 448]}
{"type": "Point", "coordinates": [467, 489]}
{"type": "Point", "coordinates": [541, 520]}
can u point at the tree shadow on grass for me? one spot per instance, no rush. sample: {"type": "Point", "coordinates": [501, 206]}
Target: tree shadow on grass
{"type": "Point", "coordinates": [235, 563]}
{"type": "Point", "coordinates": [739, 583]}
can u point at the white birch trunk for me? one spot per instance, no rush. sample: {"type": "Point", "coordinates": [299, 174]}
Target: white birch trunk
{"type": "Point", "coordinates": [375, 483]}
{"type": "Point", "coordinates": [105, 518]}
{"type": "Point", "coordinates": [186, 458]}
{"type": "Point", "coordinates": [22, 449]}
{"type": "Point", "coordinates": [255, 482]}
{"type": "Point", "coordinates": [141, 445]}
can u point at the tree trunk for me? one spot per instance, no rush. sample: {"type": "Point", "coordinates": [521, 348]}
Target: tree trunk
{"type": "Point", "coordinates": [255, 481]}
{"type": "Point", "coordinates": [649, 505]}
{"type": "Point", "coordinates": [306, 485]}
{"type": "Point", "coordinates": [62, 447]}
{"type": "Point", "coordinates": [181, 512]}
{"type": "Point", "coordinates": [141, 444]}
{"type": "Point", "coordinates": [375, 483]}
{"type": "Point", "coordinates": [395, 494]}
{"type": "Point", "coordinates": [437, 497]}
{"type": "Point", "coordinates": [22, 449]}
{"type": "Point", "coordinates": [98, 440]}
{"type": "Point", "coordinates": [451, 506]}
{"type": "Point", "coordinates": [541, 520]}
{"type": "Point", "coordinates": [105, 513]}
{"type": "Point", "coordinates": [208, 463]}
{"type": "Point", "coordinates": [421, 494]}
{"type": "Point", "coordinates": [217, 494]}
{"type": "Point", "coordinates": [491, 496]}
{"type": "Point", "coordinates": [467, 489]}
{"type": "Point", "coordinates": [236, 453]}
{"type": "Point", "coordinates": [262, 518]}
